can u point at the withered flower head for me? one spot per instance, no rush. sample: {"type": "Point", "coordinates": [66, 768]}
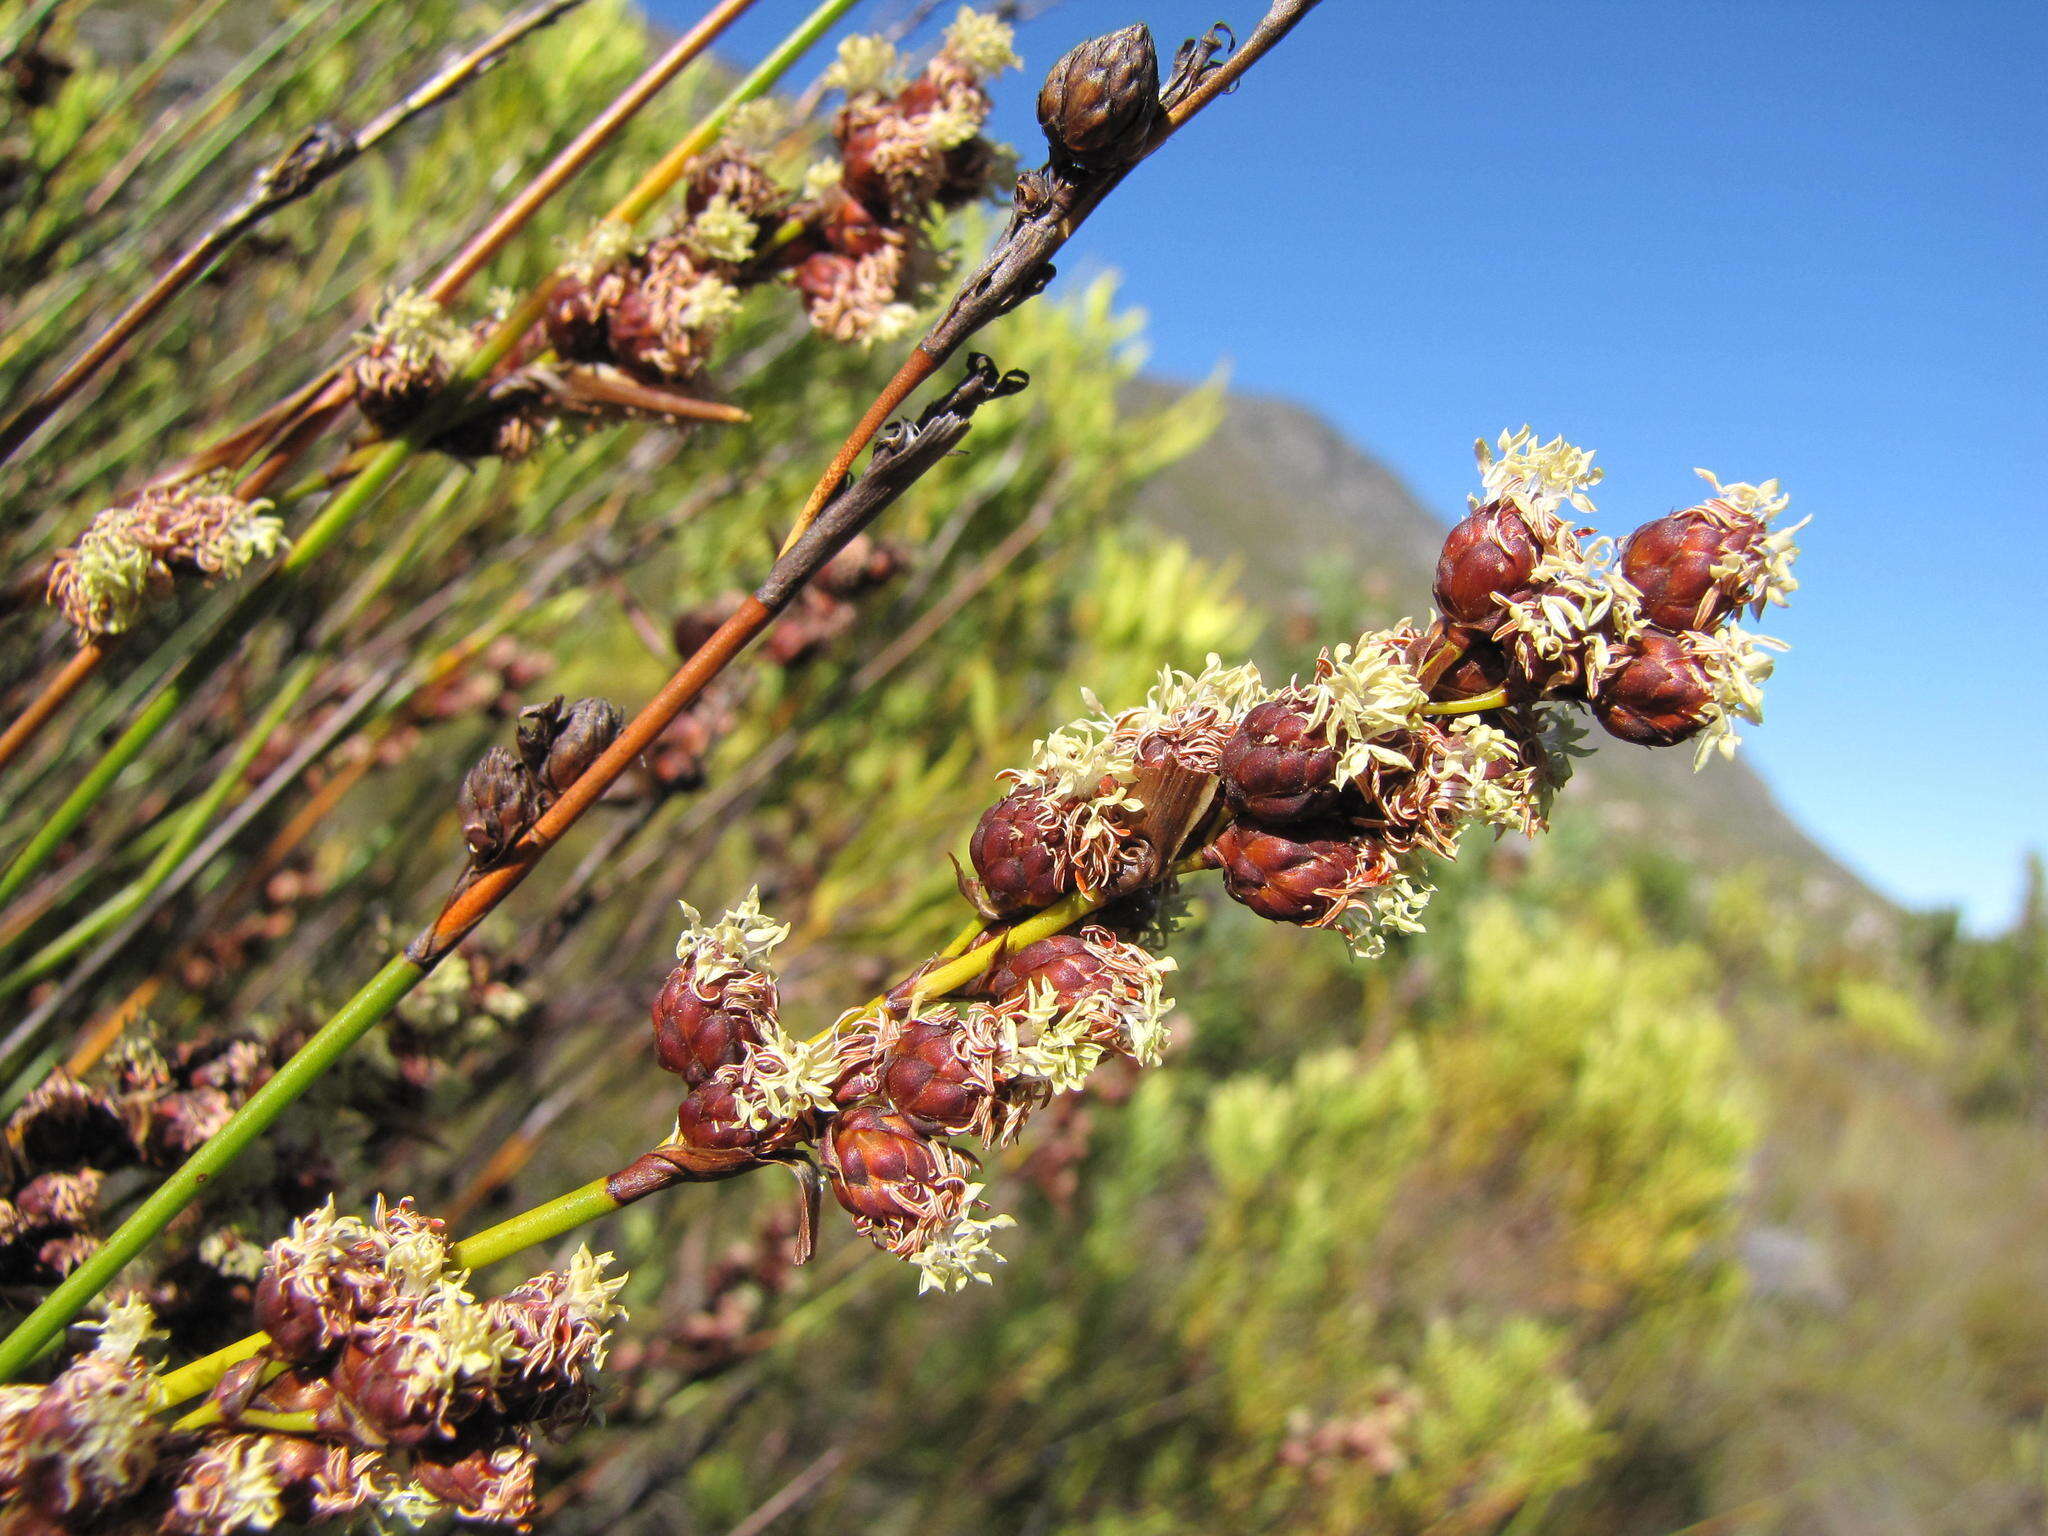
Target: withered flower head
{"type": "Point", "coordinates": [497, 804]}
{"type": "Point", "coordinates": [1099, 103]}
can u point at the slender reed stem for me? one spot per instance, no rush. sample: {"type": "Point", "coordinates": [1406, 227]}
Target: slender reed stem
{"type": "Point", "coordinates": [1479, 703]}
{"type": "Point", "coordinates": [41, 1328]}
{"type": "Point", "coordinates": [54, 695]}
{"type": "Point", "coordinates": [1024, 251]}
{"type": "Point", "coordinates": [320, 154]}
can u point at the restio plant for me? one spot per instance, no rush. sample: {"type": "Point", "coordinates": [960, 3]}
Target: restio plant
{"type": "Point", "coordinates": [317, 681]}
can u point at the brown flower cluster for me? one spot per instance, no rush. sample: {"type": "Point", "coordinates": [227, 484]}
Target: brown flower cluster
{"type": "Point", "coordinates": [880, 1093]}
{"type": "Point", "coordinates": [132, 554]}
{"type": "Point", "coordinates": [151, 1106]}
{"type": "Point", "coordinates": [629, 323]}
{"type": "Point", "coordinates": [384, 1391]}
{"type": "Point", "coordinates": [1646, 639]}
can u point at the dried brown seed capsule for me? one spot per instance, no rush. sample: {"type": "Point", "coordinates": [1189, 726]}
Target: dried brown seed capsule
{"type": "Point", "coordinates": [590, 726]}
{"type": "Point", "coordinates": [497, 805]}
{"type": "Point", "coordinates": [1099, 103]}
{"type": "Point", "coordinates": [925, 1078]}
{"type": "Point", "coordinates": [882, 1167]}
{"type": "Point", "coordinates": [64, 1124]}
{"type": "Point", "coordinates": [1658, 693]}
{"type": "Point", "coordinates": [1277, 766]}
{"type": "Point", "coordinates": [1490, 555]}
{"type": "Point", "coordinates": [699, 1028]}
{"type": "Point", "coordinates": [1292, 876]}
{"type": "Point", "coordinates": [1671, 563]}
{"type": "Point", "coordinates": [578, 318]}
{"type": "Point", "coordinates": [1016, 853]}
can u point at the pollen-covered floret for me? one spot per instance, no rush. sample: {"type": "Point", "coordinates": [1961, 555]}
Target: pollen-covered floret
{"type": "Point", "coordinates": [131, 554]}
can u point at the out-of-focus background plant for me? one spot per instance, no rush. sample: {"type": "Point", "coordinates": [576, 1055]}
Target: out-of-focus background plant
{"type": "Point", "coordinates": [1670, 1180]}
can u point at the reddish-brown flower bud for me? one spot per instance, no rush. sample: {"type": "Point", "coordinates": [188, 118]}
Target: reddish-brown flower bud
{"type": "Point", "coordinates": [708, 1120]}
{"type": "Point", "coordinates": [1671, 563]}
{"type": "Point", "coordinates": [1490, 555]}
{"type": "Point", "coordinates": [1481, 667]}
{"type": "Point", "coordinates": [1099, 103]}
{"type": "Point", "coordinates": [847, 226]}
{"type": "Point", "coordinates": [497, 805]}
{"type": "Point", "coordinates": [924, 1076]}
{"type": "Point", "coordinates": [1658, 693]}
{"type": "Point", "coordinates": [395, 385]}
{"type": "Point", "coordinates": [1065, 962]}
{"type": "Point", "coordinates": [491, 1486]}
{"type": "Point", "coordinates": [1016, 852]}
{"type": "Point", "coordinates": [702, 1026]}
{"type": "Point", "coordinates": [882, 1167]}
{"type": "Point", "coordinates": [392, 1380]}
{"type": "Point", "coordinates": [821, 276]}
{"type": "Point", "coordinates": [1294, 876]}
{"type": "Point", "coordinates": [1278, 767]}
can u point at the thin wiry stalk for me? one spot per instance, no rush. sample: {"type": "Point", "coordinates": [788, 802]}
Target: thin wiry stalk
{"type": "Point", "coordinates": [321, 153]}
{"type": "Point", "coordinates": [900, 462]}
{"type": "Point", "coordinates": [320, 403]}
{"type": "Point", "coordinates": [1021, 261]}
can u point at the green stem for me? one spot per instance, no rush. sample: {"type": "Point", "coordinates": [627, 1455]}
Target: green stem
{"type": "Point", "coordinates": [41, 1328]}
{"type": "Point", "coordinates": [191, 825]}
{"type": "Point", "coordinates": [1478, 704]}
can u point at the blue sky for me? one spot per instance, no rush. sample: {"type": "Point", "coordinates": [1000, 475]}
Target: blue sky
{"type": "Point", "coordinates": [1794, 238]}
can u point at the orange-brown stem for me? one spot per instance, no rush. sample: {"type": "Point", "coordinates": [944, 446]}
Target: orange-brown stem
{"type": "Point", "coordinates": [22, 730]}
{"type": "Point", "coordinates": [475, 900]}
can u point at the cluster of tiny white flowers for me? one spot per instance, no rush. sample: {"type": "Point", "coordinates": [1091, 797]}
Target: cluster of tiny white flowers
{"type": "Point", "coordinates": [1360, 694]}
{"type": "Point", "coordinates": [779, 1077]}
{"type": "Point", "coordinates": [415, 329]}
{"type": "Point", "coordinates": [951, 1257]}
{"type": "Point", "coordinates": [982, 44]}
{"type": "Point", "coordinates": [753, 127]}
{"type": "Point", "coordinates": [866, 63]}
{"type": "Point", "coordinates": [1737, 663]}
{"type": "Point", "coordinates": [1763, 575]}
{"type": "Point", "coordinates": [607, 243]}
{"type": "Point", "coordinates": [740, 941]}
{"type": "Point", "coordinates": [1507, 801]}
{"type": "Point", "coordinates": [721, 232]}
{"type": "Point", "coordinates": [701, 303]}
{"type": "Point", "coordinates": [1536, 477]}
{"type": "Point", "coordinates": [1367, 916]}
